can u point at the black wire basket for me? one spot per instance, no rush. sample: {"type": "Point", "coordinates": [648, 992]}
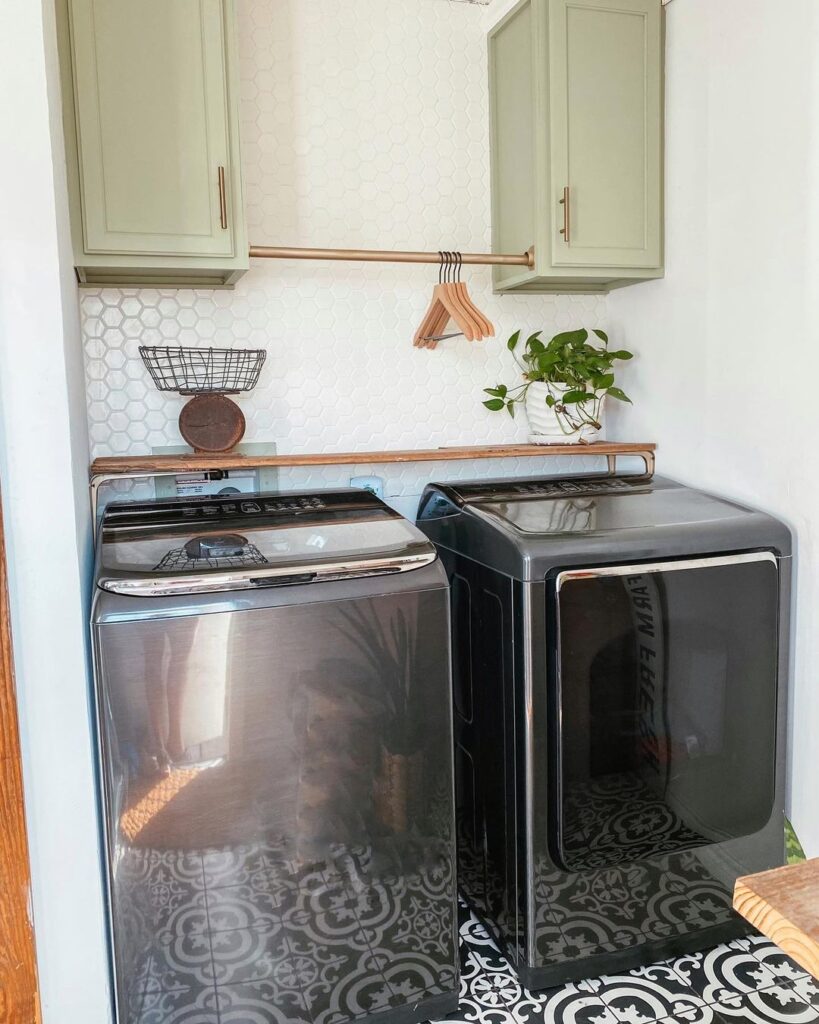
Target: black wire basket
{"type": "Point", "coordinates": [203, 371]}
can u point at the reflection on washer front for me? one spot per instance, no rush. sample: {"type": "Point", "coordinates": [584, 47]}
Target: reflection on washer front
{"type": "Point", "coordinates": [255, 934]}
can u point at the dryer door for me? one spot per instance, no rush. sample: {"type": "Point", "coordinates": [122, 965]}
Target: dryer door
{"type": "Point", "coordinates": [665, 707]}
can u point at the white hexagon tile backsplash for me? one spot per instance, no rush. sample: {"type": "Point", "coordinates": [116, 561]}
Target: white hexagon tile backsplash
{"type": "Point", "coordinates": [364, 124]}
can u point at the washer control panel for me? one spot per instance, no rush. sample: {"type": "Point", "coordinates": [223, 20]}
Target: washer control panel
{"type": "Point", "coordinates": [253, 507]}
{"type": "Point", "coordinates": [282, 506]}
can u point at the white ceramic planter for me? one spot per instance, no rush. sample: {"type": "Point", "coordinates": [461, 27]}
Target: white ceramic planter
{"type": "Point", "coordinates": [550, 427]}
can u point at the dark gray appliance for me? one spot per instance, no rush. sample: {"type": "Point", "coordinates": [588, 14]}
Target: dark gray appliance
{"type": "Point", "coordinates": [620, 654]}
{"type": "Point", "coordinates": [274, 709]}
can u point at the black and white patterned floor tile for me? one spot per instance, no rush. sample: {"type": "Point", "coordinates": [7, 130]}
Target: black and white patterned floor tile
{"type": "Point", "coordinates": [749, 981]}
{"type": "Point", "coordinates": [242, 936]}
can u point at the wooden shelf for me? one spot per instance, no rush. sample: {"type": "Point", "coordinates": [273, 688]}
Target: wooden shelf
{"type": "Point", "coordinates": [140, 466]}
{"type": "Point", "coordinates": [130, 465]}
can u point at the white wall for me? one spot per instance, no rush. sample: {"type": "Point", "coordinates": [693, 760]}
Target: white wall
{"type": "Point", "coordinates": [43, 472]}
{"type": "Point", "coordinates": [728, 339]}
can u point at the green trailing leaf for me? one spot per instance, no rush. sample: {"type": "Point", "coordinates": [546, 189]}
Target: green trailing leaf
{"type": "Point", "coordinates": [495, 404]}
{"type": "Point", "coordinates": [575, 397]}
{"type": "Point", "coordinates": [601, 381]}
{"type": "Point", "coordinates": [513, 341]}
{"type": "Point", "coordinates": [510, 406]}
{"type": "Point", "coordinates": [496, 392]}
{"type": "Point", "coordinates": [550, 401]}
{"type": "Point", "coordinates": [572, 338]}
{"type": "Point", "coordinates": [602, 336]}
{"type": "Point", "coordinates": [622, 354]}
{"type": "Point", "coordinates": [619, 395]}
{"type": "Point", "coordinates": [545, 361]}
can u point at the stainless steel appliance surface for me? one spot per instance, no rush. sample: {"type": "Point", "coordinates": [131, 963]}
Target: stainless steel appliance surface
{"type": "Point", "coordinates": [274, 715]}
{"type": "Point", "coordinates": [620, 651]}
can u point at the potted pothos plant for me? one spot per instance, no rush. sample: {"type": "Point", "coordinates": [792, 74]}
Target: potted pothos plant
{"type": "Point", "coordinates": [565, 384]}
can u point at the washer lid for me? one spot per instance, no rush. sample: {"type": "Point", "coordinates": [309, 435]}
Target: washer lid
{"type": "Point", "coordinates": [189, 546]}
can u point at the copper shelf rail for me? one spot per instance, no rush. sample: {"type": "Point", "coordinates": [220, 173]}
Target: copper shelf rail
{"type": "Point", "coordinates": [134, 467]}
{"type": "Point", "coordinates": [280, 252]}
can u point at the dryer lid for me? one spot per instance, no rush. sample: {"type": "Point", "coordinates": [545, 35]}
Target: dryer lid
{"type": "Point", "coordinates": [631, 509]}
{"type": "Point", "coordinates": [189, 546]}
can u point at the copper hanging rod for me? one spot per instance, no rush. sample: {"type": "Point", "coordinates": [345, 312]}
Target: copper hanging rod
{"type": "Point", "coordinates": [276, 252]}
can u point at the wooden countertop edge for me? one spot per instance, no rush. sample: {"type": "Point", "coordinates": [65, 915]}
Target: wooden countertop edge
{"type": "Point", "coordinates": [231, 460]}
{"type": "Point", "coordinates": [781, 926]}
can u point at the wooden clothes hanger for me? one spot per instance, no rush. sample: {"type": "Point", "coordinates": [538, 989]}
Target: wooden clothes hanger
{"type": "Point", "coordinates": [484, 325]}
{"type": "Point", "coordinates": [466, 307]}
{"type": "Point", "coordinates": [450, 301]}
{"type": "Point", "coordinates": [445, 306]}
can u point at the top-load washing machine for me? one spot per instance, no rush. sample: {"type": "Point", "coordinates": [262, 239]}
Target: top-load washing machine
{"type": "Point", "coordinates": [620, 664]}
{"type": "Point", "coordinates": [274, 705]}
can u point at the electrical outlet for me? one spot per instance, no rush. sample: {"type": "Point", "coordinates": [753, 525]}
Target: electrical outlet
{"type": "Point", "coordinates": [369, 483]}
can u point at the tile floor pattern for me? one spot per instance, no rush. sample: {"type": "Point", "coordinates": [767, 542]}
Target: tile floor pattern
{"type": "Point", "coordinates": [257, 934]}
{"type": "Point", "coordinates": [747, 981]}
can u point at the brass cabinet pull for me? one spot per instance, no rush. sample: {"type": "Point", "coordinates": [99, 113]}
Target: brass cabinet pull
{"type": "Point", "coordinates": [222, 199]}
{"type": "Point", "coordinates": [566, 229]}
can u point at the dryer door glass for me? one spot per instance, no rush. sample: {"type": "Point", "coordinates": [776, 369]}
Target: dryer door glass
{"type": "Point", "coordinates": [664, 708]}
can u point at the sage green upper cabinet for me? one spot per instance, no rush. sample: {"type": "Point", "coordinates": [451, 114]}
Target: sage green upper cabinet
{"type": "Point", "coordinates": [576, 92]}
{"type": "Point", "coordinates": [151, 117]}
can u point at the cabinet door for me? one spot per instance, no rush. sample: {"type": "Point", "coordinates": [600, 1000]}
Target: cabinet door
{"type": "Point", "coordinates": [513, 144]}
{"type": "Point", "coordinates": [605, 76]}
{"type": "Point", "coordinates": [150, 102]}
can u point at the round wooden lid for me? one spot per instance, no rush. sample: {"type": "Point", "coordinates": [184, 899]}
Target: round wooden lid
{"type": "Point", "coordinates": [212, 423]}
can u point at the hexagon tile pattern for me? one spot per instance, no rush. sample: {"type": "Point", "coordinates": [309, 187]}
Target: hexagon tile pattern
{"type": "Point", "coordinates": [364, 124]}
